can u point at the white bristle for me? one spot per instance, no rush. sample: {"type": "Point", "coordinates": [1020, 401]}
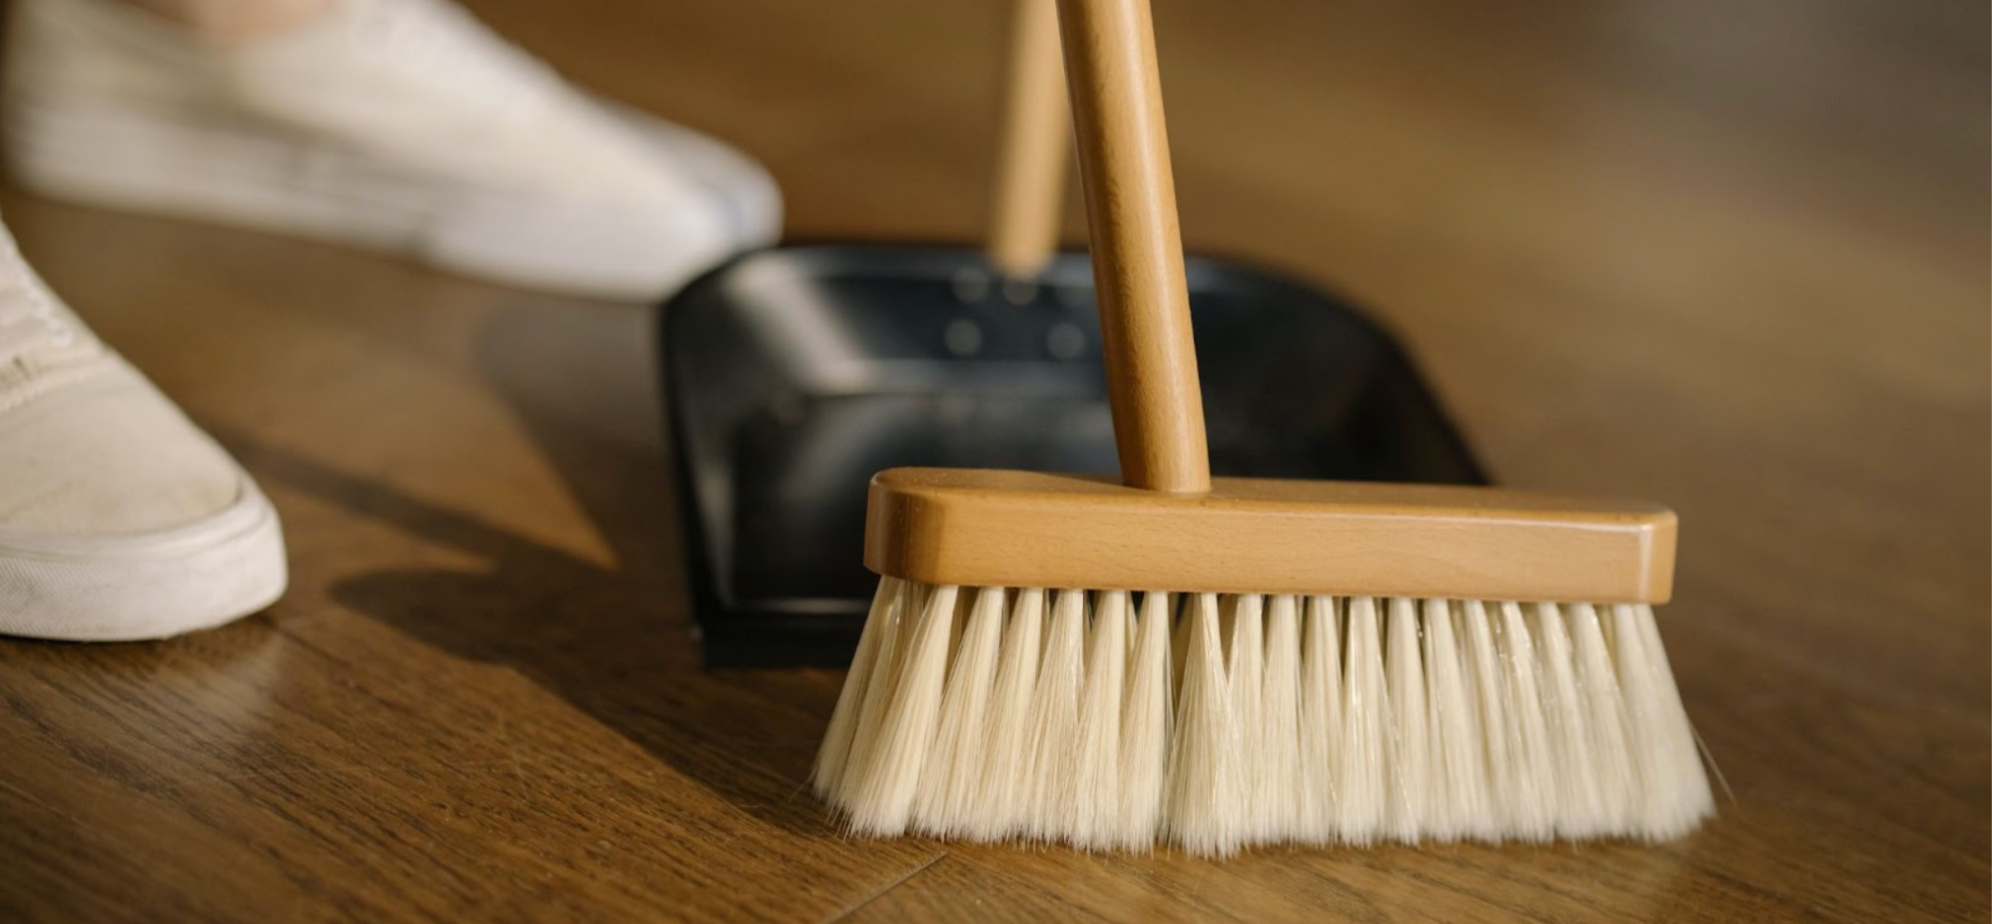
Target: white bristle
{"type": "Point", "coordinates": [1096, 808]}
{"type": "Point", "coordinates": [830, 760]}
{"type": "Point", "coordinates": [1604, 714]}
{"type": "Point", "coordinates": [1320, 722]}
{"type": "Point", "coordinates": [1243, 621]}
{"type": "Point", "coordinates": [1674, 794]}
{"type": "Point", "coordinates": [1582, 812]}
{"type": "Point", "coordinates": [1000, 802]}
{"type": "Point", "coordinates": [880, 685]}
{"type": "Point", "coordinates": [1410, 805]}
{"type": "Point", "coordinates": [946, 801]}
{"type": "Point", "coordinates": [1458, 749]}
{"type": "Point", "coordinates": [882, 794]}
{"type": "Point", "coordinates": [1361, 764]}
{"type": "Point", "coordinates": [1480, 660]}
{"type": "Point", "coordinates": [1054, 739]}
{"type": "Point", "coordinates": [1179, 644]}
{"type": "Point", "coordinates": [1203, 806]}
{"type": "Point", "coordinates": [1249, 719]}
{"type": "Point", "coordinates": [1146, 725]}
{"type": "Point", "coordinates": [1278, 759]}
{"type": "Point", "coordinates": [1535, 785]}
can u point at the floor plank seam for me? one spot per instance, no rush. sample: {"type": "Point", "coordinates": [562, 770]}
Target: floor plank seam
{"type": "Point", "coordinates": [896, 883]}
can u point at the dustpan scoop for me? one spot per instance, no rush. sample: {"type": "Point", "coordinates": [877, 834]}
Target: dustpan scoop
{"type": "Point", "coordinates": [793, 374]}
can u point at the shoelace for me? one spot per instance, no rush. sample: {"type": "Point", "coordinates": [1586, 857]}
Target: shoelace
{"type": "Point", "coordinates": [453, 47]}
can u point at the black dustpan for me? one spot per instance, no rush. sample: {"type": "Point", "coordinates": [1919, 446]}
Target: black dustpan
{"type": "Point", "coordinates": [792, 375]}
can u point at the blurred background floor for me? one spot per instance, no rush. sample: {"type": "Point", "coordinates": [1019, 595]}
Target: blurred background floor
{"type": "Point", "coordinates": [1729, 256]}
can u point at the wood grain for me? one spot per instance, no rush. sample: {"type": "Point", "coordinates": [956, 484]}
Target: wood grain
{"type": "Point", "coordinates": [1729, 257]}
{"type": "Point", "coordinates": [1034, 148]}
{"type": "Point", "coordinates": [1130, 195]}
{"type": "Point", "coordinates": [984, 528]}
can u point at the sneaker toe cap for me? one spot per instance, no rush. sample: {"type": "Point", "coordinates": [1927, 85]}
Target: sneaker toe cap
{"type": "Point", "coordinates": [745, 192]}
{"type": "Point", "coordinates": [106, 456]}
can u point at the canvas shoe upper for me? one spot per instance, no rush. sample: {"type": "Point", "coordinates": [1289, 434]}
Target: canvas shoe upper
{"type": "Point", "coordinates": [401, 124]}
{"type": "Point", "coordinates": [119, 519]}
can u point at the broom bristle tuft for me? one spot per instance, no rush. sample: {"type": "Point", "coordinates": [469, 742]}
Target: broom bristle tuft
{"type": "Point", "coordinates": [1210, 722]}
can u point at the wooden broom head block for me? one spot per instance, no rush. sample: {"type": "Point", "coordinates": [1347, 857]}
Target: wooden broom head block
{"type": "Point", "coordinates": [1249, 535]}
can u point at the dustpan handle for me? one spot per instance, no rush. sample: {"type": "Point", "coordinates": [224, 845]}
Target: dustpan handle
{"type": "Point", "coordinates": [1137, 247]}
{"type": "Point", "coordinates": [1037, 140]}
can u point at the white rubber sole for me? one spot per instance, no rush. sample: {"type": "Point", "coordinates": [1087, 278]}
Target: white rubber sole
{"type": "Point", "coordinates": [126, 588]}
{"type": "Point", "coordinates": [254, 175]}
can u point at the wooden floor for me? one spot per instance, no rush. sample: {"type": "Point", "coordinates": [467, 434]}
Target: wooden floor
{"type": "Point", "coordinates": [1728, 256]}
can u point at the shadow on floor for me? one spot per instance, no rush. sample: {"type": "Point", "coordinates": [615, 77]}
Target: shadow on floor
{"type": "Point", "coordinates": [615, 642]}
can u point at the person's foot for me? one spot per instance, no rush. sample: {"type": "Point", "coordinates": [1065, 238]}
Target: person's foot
{"type": "Point", "coordinates": [398, 124]}
{"type": "Point", "coordinates": [119, 519]}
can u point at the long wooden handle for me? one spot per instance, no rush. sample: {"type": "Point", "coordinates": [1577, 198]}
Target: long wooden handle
{"type": "Point", "coordinates": [1137, 247]}
{"type": "Point", "coordinates": [1037, 140]}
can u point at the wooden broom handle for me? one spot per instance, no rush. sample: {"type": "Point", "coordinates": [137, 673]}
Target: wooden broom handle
{"type": "Point", "coordinates": [1037, 140]}
{"type": "Point", "coordinates": [1137, 247]}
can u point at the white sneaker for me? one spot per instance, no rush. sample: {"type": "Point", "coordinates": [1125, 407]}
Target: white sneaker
{"type": "Point", "coordinates": [398, 124]}
{"type": "Point", "coordinates": [119, 519]}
